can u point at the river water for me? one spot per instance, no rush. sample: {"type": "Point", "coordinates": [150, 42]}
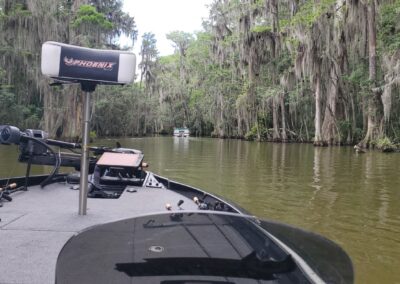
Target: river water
{"type": "Point", "coordinates": [352, 199]}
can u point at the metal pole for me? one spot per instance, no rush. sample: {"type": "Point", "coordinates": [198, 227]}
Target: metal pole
{"type": "Point", "coordinates": [83, 185]}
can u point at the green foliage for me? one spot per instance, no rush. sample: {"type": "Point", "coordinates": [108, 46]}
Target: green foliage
{"type": "Point", "coordinates": [149, 45]}
{"type": "Point", "coordinates": [389, 26]}
{"type": "Point", "coordinates": [344, 128]}
{"type": "Point", "coordinates": [252, 134]}
{"type": "Point", "coordinates": [208, 84]}
{"type": "Point", "coordinates": [25, 116]}
{"type": "Point", "coordinates": [284, 23]}
{"type": "Point", "coordinates": [7, 97]}
{"type": "Point", "coordinates": [359, 79]}
{"type": "Point", "coordinates": [18, 10]}
{"type": "Point", "coordinates": [195, 98]}
{"type": "Point", "coordinates": [181, 40]}
{"type": "Point", "coordinates": [261, 129]}
{"type": "Point", "coordinates": [261, 29]}
{"type": "Point", "coordinates": [258, 4]}
{"type": "Point", "coordinates": [264, 122]}
{"type": "Point", "coordinates": [293, 41]}
{"type": "Point", "coordinates": [149, 54]}
{"type": "Point", "coordinates": [23, 90]}
{"type": "Point", "coordinates": [230, 40]}
{"type": "Point", "coordinates": [64, 9]}
{"type": "Point", "coordinates": [2, 74]}
{"type": "Point", "coordinates": [359, 76]}
{"type": "Point", "coordinates": [31, 116]}
{"type": "Point", "coordinates": [385, 145]}
{"type": "Point", "coordinates": [122, 23]}
{"type": "Point", "coordinates": [266, 92]}
{"type": "Point", "coordinates": [284, 62]}
{"type": "Point", "coordinates": [88, 14]}
{"type": "Point", "coordinates": [358, 134]}
{"type": "Point", "coordinates": [92, 135]}
{"type": "Point", "coordinates": [168, 60]}
{"type": "Point", "coordinates": [116, 111]}
{"type": "Point", "coordinates": [310, 12]}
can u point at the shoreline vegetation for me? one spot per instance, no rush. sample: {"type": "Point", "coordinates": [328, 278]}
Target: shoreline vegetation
{"type": "Point", "coordinates": [319, 71]}
{"type": "Point", "coordinates": [383, 145]}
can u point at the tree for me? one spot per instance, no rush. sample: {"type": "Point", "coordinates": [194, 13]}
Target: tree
{"type": "Point", "coordinates": [375, 120]}
{"type": "Point", "coordinates": [149, 55]}
{"type": "Point", "coordinates": [181, 41]}
{"type": "Point", "coordinates": [322, 71]}
{"type": "Point", "coordinates": [25, 25]}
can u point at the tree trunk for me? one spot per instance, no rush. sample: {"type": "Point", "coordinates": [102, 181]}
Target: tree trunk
{"type": "Point", "coordinates": [353, 118]}
{"type": "Point", "coordinates": [373, 121]}
{"type": "Point", "coordinates": [251, 97]}
{"type": "Point", "coordinates": [283, 117]}
{"type": "Point", "coordinates": [329, 125]}
{"type": "Point", "coordinates": [239, 123]}
{"type": "Point", "coordinates": [221, 127]}
{"type": "Point", "coordinates": [275, 26]}
{"type": "Point", "coordinates": [275, 134]}
{"type": "Point", "coordinates": [318, 137]}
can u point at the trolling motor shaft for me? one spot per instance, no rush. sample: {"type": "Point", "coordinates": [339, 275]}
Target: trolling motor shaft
{"type": "Point", "coordinates": [83, 183]}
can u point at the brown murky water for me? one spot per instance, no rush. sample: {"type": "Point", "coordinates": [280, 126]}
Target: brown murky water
{"type": "Point", "coordinates": [353, 199]}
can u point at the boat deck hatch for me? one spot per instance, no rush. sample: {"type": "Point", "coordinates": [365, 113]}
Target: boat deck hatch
{"type": "Point", "coordinates": [114, 171]}
{"type": "Point", "coordinates": [120, 160]}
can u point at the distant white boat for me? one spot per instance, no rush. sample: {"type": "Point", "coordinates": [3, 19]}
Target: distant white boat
{"type": "Point", "coordinates": [181, 132]}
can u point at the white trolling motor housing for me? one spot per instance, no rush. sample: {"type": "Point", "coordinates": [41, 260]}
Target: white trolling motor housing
{"type": "Point", "coordinates": [74, 63]}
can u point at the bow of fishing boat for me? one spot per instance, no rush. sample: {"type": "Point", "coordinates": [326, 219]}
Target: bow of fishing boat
{"type": "Point", "coordinates": [131, 225]}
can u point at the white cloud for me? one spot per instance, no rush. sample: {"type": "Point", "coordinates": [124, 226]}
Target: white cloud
{"type": "Point", "coordinates": [163, 16]}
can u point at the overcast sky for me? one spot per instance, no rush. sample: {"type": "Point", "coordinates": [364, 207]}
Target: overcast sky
{"type": "Point", "coordinates": [163, 16]}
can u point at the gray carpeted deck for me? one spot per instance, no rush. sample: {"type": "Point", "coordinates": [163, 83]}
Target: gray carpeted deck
{"type": "Point", "coordinates": [37, 223]}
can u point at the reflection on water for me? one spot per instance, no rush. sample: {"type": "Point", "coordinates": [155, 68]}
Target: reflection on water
{"type": "Point", "coordinates": [181, 144]}
{"type": "Point", "coordinates": [352, 199]}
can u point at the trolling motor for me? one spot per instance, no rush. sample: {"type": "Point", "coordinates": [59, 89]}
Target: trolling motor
{"type": "Point", "coordinates": [34, 148]}
{"type": "Point", "coordinates": [31, 144]}
{"type": "Point", "coordinates": [34, 144]}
